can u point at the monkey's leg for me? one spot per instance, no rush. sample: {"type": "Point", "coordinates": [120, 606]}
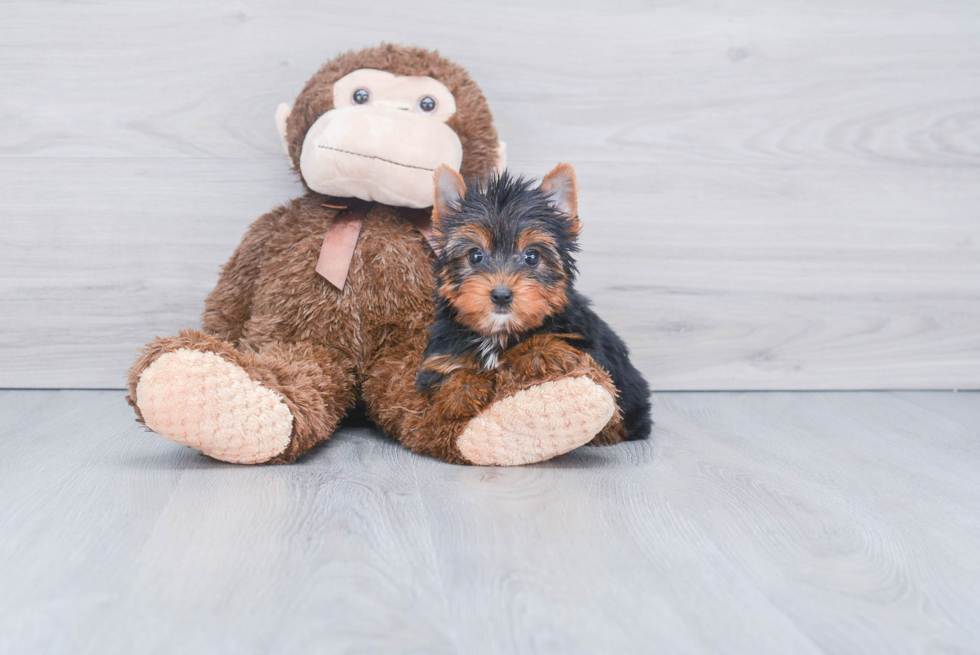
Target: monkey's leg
{"type": "Point", "coordinates": [425, 422]}
{"type": "Point", "coordinates": [550, 399]}
{"type": "Point", "coordinates": [246, 407]}
{"type": "Point", "coordinates": [545, 400]}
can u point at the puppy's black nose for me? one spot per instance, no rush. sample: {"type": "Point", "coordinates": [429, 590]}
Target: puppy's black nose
{"type": "Point", "coordinates": [501, 295]}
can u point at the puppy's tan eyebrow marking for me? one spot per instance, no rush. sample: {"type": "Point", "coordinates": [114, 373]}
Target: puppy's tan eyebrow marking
{"type": "Point", "coordinates": [470, 233]}
{"type": "Point", "coordinates": [535, 237]}
{"type": "Point", "coordinates": [387, 161]}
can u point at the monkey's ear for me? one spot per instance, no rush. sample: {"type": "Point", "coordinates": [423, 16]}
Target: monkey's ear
{"type": "Point", "coordinates": [282, 113]}
{"type": "Point", "coordinates": [562, 190]}
{"type": "Point", "coordinates": [450, 189]}
{"type": "Point", "coordinates": [501, 156]}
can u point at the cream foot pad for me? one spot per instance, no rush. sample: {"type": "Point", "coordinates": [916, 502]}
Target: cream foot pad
{"type": "Point", "coordinates": [538, 423]}
{"type": "Point", "coordinates": [203, 401]}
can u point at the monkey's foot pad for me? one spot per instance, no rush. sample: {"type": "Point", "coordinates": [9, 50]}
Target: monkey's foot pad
{"type": "Point", "coordinates": [203, 401]}
{"type": "Point", "coordinates": [538, 423]}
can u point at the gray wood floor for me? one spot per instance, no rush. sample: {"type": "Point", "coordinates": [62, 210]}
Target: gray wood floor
{"type": "Point", "coordinates": [776, 194]}
{"type": "Point", "coordinates": [750, 523]}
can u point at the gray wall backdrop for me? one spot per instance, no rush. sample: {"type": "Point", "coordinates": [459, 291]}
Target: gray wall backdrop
{"type": "Point", "coordinates": [776, 195]}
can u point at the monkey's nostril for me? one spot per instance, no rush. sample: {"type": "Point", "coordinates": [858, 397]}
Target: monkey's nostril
{"type": "Point", "coordinates": [501, 295]}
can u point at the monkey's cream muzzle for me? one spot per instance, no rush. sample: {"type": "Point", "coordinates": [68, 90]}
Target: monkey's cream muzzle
{"type": "Point", "coordinates": [378, 153]}
{"type": "Point", "coordinates": [383, 139]}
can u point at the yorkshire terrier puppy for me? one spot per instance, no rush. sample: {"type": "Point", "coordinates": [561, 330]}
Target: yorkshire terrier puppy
{"type": "Point", "coordinates": [505, 270]}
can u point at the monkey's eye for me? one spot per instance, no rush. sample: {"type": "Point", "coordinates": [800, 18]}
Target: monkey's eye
{"type": "Point", "coordinates": [531, 257]}
{"type": "Point", "coordinates": [427, 104]}
{"type": "Point", "coordinates": [475, 256]}
{"type": "Point", "coordinates": [361, 96]}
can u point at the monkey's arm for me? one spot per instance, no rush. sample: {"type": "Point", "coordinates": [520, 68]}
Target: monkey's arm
{"type": "Point", "coordinates": [229, 304]}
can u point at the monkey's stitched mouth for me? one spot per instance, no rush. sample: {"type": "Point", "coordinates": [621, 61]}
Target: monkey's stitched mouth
{"type": "Point", "coordinates": [387, 161]}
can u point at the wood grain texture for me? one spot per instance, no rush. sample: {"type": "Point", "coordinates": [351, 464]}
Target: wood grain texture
{"type": "Point", "coordinates": [750, 523]}
{"type": "Point", "coordinates": [780, 195]}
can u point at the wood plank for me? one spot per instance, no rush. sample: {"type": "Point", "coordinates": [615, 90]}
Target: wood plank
{"type": "Point", "coordinates": [80, 496]}
{"type": "Point", "coordinates": [89, 277]}
{"type": "Point", "coordinates": [855, 296]}
{"type": "Point", "coordinates": [801, 83]}
{"type": "Point", "coordinates": [751, 522]}
{"type": "Point", "coordinates": [776, 196]}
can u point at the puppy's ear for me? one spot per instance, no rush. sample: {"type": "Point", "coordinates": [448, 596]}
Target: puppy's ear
{"type": "Point", "coordinates": [561, 188]}
{"type": "Point", "coordinates": [450, 189]}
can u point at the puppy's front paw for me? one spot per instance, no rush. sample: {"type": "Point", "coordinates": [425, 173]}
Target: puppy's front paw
{"type": "Point", "coordinates": [427, 380]}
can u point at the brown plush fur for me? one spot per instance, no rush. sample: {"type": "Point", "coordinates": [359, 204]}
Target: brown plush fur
{"type": "Point", "coordinates": [321, 348]}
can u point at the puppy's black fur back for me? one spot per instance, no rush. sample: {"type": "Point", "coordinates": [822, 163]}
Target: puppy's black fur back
{"type": "Point", "coordinates": [609, 352]}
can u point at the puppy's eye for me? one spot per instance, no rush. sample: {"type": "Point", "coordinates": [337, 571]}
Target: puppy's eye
{"type": "Point", "coordinates": [475, 256]}
{"type": "Point", "coordinates": [427, 104]}
{"type": "Point", "coordinates": [361, 96]}
{"type": "Point", "coordinates": [531, 257]}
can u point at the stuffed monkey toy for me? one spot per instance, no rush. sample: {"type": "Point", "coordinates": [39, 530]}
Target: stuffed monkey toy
{"type": "Point", "coordinates": [326, 301]}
